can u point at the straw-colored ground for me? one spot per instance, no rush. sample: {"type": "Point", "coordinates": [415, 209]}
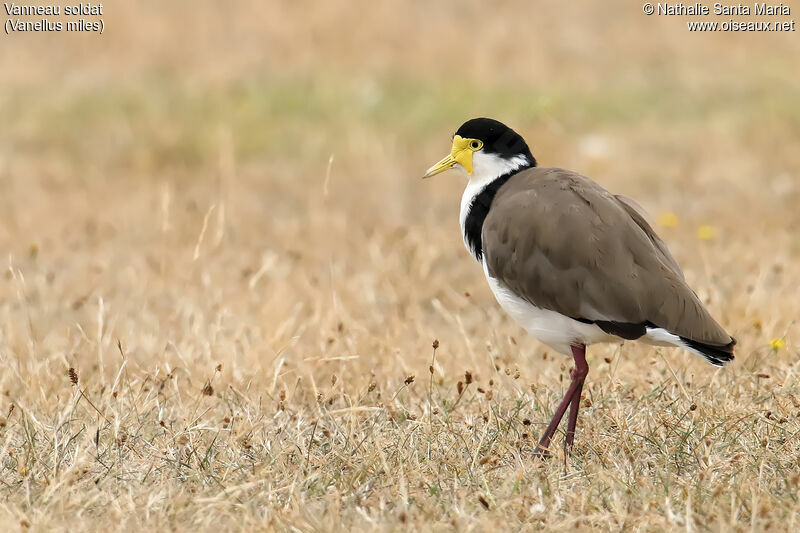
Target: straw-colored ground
{"type": "Point", "coordinates": [213, 215]}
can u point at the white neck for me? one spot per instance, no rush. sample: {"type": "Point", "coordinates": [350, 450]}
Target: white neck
{"type": "Point", "coordinates": [485, 169]}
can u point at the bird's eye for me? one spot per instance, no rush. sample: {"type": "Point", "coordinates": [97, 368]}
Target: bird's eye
{"type": "Point", "coordinates": [475, 145]}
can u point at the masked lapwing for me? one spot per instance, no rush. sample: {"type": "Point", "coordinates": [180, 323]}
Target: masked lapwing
{"type": "Point", "coordinates": [572, 263]}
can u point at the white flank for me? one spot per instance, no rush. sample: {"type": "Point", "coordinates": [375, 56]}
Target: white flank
{"type": "Point", "coordinates": [549, 327]}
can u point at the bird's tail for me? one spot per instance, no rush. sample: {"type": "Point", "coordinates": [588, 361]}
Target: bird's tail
{"type": "Point", "coordinates": [716, 354]}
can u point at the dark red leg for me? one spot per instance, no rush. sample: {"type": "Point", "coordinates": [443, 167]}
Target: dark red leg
{"type": "Point", "coordinates": [572, 421]}
{"type": "Point", "coordinates": [572, 399]}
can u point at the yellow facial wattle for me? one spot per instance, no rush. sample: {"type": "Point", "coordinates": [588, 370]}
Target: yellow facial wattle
{"type": "Point", "coordinates": [461, 154]}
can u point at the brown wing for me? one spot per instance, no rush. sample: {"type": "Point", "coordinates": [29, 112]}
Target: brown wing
{"type": "Point", "coordinates": [663, 252]}
{"type": "Point", "coordinates": [564, 243]}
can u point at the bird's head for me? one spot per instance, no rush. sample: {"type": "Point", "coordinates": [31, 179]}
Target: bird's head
{"type": "Point", "coordinates": [485, 149]}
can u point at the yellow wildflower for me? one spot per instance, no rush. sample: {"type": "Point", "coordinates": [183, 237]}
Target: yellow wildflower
{"type": "Point", "coordinates": [777, 344]}
{"type": "Point", "coordinates": [706, 232]}
{"type": "Point", "coordinates": [668, 220]}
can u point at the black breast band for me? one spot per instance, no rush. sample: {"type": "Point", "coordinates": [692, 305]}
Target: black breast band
{"type": "Point", "coordinates": [478, 209]}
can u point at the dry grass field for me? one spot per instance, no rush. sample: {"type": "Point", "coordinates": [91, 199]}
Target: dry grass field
{"type": "Point", "coordinates": [223, 277]}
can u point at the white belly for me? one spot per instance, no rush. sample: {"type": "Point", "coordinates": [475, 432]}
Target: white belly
{"type": "Point", "coordinates": [552, 328]}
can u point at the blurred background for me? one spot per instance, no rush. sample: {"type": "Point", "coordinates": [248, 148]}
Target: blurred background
{"type": "Point", "coordinates": [249, 173]}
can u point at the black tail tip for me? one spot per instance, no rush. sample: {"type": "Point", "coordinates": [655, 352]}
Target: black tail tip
{"type": "Point", "coordinates": [716, 354]}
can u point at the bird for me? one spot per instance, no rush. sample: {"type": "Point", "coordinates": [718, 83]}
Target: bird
{"type": "Point", "coordinates": [571, 262]}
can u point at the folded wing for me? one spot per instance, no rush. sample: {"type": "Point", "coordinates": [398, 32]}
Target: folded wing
{"type": "Point", "coordinates": [565, 244]}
